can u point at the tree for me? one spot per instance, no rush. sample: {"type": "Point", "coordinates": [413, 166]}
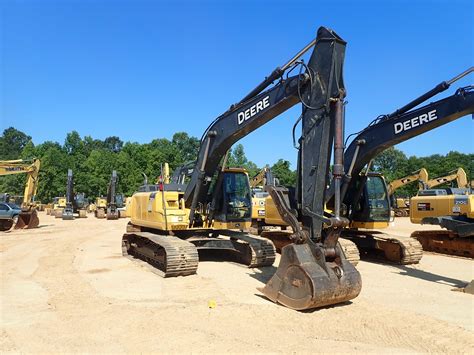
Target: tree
{"type": "Point", "coordinates": [237, 158]}
{"type": "Point", "coordinates": [281, 170]}
{"type": "Point", "coordinates": [113, 143]}
{"type": "Point", "coordinates": [392, 163]}
{"type": "Point", "coordinates": [188, 148]}
{"type": "Point", "coordinates": [12, 143]}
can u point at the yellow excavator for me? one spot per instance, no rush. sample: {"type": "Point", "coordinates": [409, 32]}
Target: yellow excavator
{"type": "Point", "coordinates": [400, 206]}
{"type": "Point", "coordinates": [452, 209]}
{"type": "Point", "coordinates": [28, 217]}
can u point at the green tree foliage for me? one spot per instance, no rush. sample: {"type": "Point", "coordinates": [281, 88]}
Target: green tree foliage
{"type": "Point", "coordinates": [12, 143]}
{"type": "Point", "coordinates": [237, 158]}
{"type": "Point", "coordinates": [92, 161]}
{"type": "Point", "coordinates": [394, 164]}
{"type": "Point", "coordinates": [281, 170]}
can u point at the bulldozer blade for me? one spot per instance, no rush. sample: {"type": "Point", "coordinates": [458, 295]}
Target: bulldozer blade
{"type": "Point", "coordinates": [305, 280]}
{"type": "Point", "coordinates": [27, 220]}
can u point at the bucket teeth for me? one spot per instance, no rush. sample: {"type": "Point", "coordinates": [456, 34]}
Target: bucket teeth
{"type": "Point", "coordinates": [305, 280]}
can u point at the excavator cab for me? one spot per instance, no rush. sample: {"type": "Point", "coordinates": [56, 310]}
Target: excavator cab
{"type": "Point", "coordinates": [234, 202]}
{"type": "Point", "coordinates": [374, 205]}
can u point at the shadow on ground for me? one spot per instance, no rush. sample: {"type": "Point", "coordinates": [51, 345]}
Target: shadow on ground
{"type": "Point", "coordinates": [429, 276]}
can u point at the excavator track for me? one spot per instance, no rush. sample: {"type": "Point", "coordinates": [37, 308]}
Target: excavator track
{"type": "Point", "coordinates": [350, 250]}
{"type": "Point", "coordinates": [262, 251]}
{"type": "Point", "coordinates": [392, 248]}
{"type": "Point", "coordinates": [445, 242]}
{"type": "Point", "coordinates": [170, 256]}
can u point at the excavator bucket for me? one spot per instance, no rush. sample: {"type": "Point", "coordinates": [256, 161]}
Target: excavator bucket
{"type": "Point", "coordinates": [305, 280]}
{"type": "Point", "coordinates": [27, 220]}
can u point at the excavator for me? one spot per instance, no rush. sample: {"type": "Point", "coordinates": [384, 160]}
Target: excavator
{"type": "Point", "coordinates": [365, 194]}
{"type": "Point", "coordinates": [112, 211]}
{"type": "Point", "coordinates": [400, 206]}
{"type": "Point", "coordinates": [450, 208]}
{"type": "Point", "coordinates": [28, 217]}
{"type": "Point", "coordinates": [171, 226]}
{"type": "Point", "coordinates": [366, 198]}
{"type": "Point", "coordinates": [75, 203]}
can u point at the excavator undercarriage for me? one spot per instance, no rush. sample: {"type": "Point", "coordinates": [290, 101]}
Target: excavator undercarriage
{"type": "Point", "coordinates": [179, 256]}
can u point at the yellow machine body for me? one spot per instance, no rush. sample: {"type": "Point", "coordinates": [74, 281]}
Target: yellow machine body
{"type": "Point", "coordinates": [258, 207]}
{"type": "Point", "coordinates": [128, 206]}
{"type": "Point", "coordinates": [441, 205]}
{"type": "Point", "coordinates": [166, 211]}
{"type": "Point", "coordinates": [100, 202]}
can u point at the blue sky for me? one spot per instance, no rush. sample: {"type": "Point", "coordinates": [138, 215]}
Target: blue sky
{"type": "Point", "coordinates": [146, 69]}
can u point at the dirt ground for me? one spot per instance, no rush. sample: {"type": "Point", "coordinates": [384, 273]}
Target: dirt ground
{"type": "Point", "coordinates": [66, 288]}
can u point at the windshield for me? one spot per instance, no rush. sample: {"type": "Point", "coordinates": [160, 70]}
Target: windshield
{"type": "Point", "coordinates": [377, 198]}
{"type": "Point", "coordinates": [14, 206]}
{"type": "Point", "coordinates": [237, 194]}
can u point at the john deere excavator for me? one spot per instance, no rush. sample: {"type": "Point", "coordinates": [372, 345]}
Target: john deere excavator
{"type": "Point", "coordinates": [400, 205]}
{"type": "Point", "coordinates": [75, 203]}
{"type": "Point", "coordinates": [450, 208]}
{"type": "Point", "coordinates": [171, 225]}
{"type": "Point", "coordinates": [28, 217]}
{"type": "Point", "coordinates": [112, 211]}
{"type": "Point", "coordinates": [365, 195]}
{"type": "Point", "coordinates": [366, 202]}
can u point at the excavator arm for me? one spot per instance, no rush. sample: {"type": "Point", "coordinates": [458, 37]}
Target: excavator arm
{"type": "Point", "coordinates": [112, 212]}
{"type": "Point", "coordinates": [28, 218]}
{"type": "Point", "coordinates": [68, 212]}
{"type": "Point", "coordinates": [459, 175]}
{"type": "Point", "coordinates": [420, 175]}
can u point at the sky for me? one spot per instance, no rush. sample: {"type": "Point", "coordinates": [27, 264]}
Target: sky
{"type": "Point", "coordinates": [142, 70]}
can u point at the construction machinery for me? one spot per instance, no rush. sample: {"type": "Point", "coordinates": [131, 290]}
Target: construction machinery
{"type": "Point", "coordinates": [75, 203]}
{"type": "Point", "coordinates": [109, 206]}
{"type": "Point", "coordinates": [100, 207]}
{"type": "Point", "coordinates": [59, 203]}
{"type": "Point", "coordinates": [459, 175]}
{"type": "Point", "coordinates": [401, 206]}
{"type": "Point", "coordinates": [175, 223]}
{"type": "Point", "coordinates": [365, 194]}
{"type": "Point", "coordinates": [112, 208]}
{"type": "Point", "coordinates": [28, 217]}
{"type": "Point", "coordinates": [259, 195]}
{"type": "Point", "coordinates": [451, 210]}
{"type": "Point", "coordinates": [368, 207]}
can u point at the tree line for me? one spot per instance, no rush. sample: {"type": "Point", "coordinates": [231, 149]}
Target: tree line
{"type": "Point", "coordinates": [92, 161]}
